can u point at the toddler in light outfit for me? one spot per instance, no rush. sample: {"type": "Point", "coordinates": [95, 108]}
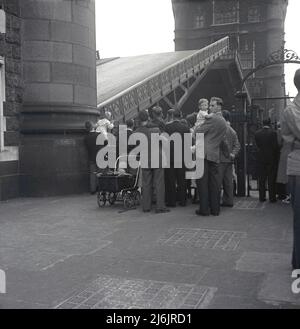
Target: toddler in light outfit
{"type": "Point", "coordinates": [104, 123]}
{"type": "Point", "coordinates": [203, 112]}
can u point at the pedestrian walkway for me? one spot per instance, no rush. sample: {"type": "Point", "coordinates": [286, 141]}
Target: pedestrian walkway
{"type": "Point", "coordinates": [65, 252]}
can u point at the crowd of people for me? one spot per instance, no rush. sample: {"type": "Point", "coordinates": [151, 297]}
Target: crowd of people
{"type": "Point", "coordinates": [278, 158]}
{"type": "Point", "coordinates": [168, 187]}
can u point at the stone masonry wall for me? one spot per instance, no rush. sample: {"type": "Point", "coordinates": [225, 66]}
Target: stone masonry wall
{"type": "Point", "coordinates": [10, 48]}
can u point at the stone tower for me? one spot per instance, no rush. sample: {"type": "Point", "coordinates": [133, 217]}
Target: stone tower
{"type": "Point", "coordinates": [255, 28]}
{"type": "Point", "coordinates": [49, 51]}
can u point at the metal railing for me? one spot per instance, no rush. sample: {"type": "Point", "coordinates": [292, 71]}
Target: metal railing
{"type": "Point", "coordinates": [152, 89]}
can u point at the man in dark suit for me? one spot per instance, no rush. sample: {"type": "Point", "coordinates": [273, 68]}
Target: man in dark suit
{"type": "Point", "coordinates": [174, 176]}
{"type": "Point", "coordinates": [214, 129]}
{"type": "Point", "coordinates": [267, 156]}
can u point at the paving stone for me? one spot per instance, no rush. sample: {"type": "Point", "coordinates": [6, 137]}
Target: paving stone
{"type": "Point", "coordinates": [277, 288]}
{"type": "Point", "coordinates": [237, 302]}
{"type": "Point", "coordinates": [263, 262]}
{"type": "Point", "coordinates": [233, 282]}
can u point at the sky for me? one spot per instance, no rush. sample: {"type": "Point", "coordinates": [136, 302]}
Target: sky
{"type": "Point", "coordinates": [136, 27]}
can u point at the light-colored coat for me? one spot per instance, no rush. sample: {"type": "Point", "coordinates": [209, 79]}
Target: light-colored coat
{"type": "Point", "coordinates": [290, 130]}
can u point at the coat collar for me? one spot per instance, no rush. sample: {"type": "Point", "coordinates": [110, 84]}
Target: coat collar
{"type": "Point", "coordinates": [297, 100]}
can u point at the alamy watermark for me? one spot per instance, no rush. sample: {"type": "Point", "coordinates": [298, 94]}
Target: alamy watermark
{"type": "Point", "coordinates": [296, 283]}
{"type": "Point", "coordinates": [153, 151]}
{"type": "Point", "coordinates": [2, 282]}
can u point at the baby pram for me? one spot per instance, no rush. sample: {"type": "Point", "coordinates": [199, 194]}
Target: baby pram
{"type": "Point", "coordinates": [119, 185]}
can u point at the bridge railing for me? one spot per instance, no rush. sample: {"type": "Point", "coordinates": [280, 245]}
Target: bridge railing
{"type": "Point", "coordinates": [147, 92]}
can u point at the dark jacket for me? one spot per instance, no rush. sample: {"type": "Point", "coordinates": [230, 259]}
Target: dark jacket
{"type": "Point", "coordinates": [147, 131]}
{"type": "Point", "coordinates": [92, 148]}
{"type": "Point", "coordinates": [157, 123]}
{"type": "Point", "coordinates": [267, 143]}
{"type": "Point", "coordinates": [176, 127]}
{"type": "Point", "coordinates": [214, 129]}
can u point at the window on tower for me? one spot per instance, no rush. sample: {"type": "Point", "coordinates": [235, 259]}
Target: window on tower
{"type": "Point", "coordinates": [199, 18]}
{"type": "Point", "coordinates": [225, 12]}
{"type": "Point", "coordinates": [254, 14]}
{"type": "Point", "coordinates": [199, 21]}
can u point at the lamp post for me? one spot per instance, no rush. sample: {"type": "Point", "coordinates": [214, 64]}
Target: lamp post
{"type": "Point", "coordinates": [242, 163]}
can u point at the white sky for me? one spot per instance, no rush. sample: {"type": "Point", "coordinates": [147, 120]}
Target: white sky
{"type": "Point", "coordinates": [135, 27]}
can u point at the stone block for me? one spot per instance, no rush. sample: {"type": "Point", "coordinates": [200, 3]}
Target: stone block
{"type": "Point", "coordinates": [54, 9]}
{"type": "Point", "coordinates": [37, 72]}
{"type": "Point", "coordinates": [45, 92]}
{"type": "Point", "coordinates": [36, 29]}
{"type": "Point", "coordinates": [13, 37]}
{"type": "Point", "coordinates": [72, 33]}
{"type": "Point", "coordinates": [11, 108]}
{"type": "Point", "coordinates": [81, 15]}
{"type": "Point", "coordinates": [47, 51]}
{"type": "Point", "coordinates": [92, 39]}
{"type": "Point", "coordinates": [12, 124]}
{"type": "Point", "coordinates": [16, 22]}
{"type": "Point", "coordinates": [61, 52]}
{"type": "Point", "coordinates": [80, 35]}
{"type": "Point", "coordinates": [93, 78]}
{"type": "Point", "coordinates": [16, 51]}
{"type": "Point", "coordinates": [70, 73]}
{"type": "Point", "coordinates": [61, 31]}
{"type": "Point", "coordinates": [13, 80]}
{"type": "Point", "coordinates": [84, 56]}
{"type": "Point", "coordinates": [85, 95]}
{"type": "Point", "coordinates": [9, 187]}
{"type": "Point", "coordinates": [61, 93]}
{"type": "Point", "coordinates": [12, 7]}
{"type": "Point", "coordinates": [9, 168]}
{"type": "Point", "coordinates": [13, 66]}
{"type": "Point", "coordinates": [11, 138]}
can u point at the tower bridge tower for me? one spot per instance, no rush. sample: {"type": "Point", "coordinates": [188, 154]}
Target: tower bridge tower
{"type": "Point", "coordinates": [255, 28]}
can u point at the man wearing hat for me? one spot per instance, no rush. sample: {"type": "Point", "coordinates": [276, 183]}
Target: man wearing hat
{"type": "Point", "coordinates": [290, 130]}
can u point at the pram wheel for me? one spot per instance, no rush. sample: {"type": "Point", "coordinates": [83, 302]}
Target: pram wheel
{"type": "Point", "coordinates": [101, 199]}
{"type": "Point", "coordinates": [129, 200]}
{"type": "Point", "coordinates": [112, 198]}
{"type": "Point", "coordinates": [137, 197]}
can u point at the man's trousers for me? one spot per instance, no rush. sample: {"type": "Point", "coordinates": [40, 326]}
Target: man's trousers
{"type": "Point", "coordinates": [226, 179]}
{"type": "Point", "coordinates": [153, 179]}
{"type": "Point", "coordinates": [294, 184]}
{"type": "Point", "coordinates": [267, 171]}
{"type": "Point", "coordinates": [209, 189]}
{"type": "Point", "coordinates": [175, 186]}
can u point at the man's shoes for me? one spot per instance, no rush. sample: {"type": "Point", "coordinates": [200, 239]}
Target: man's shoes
{"type": "Point", "coordinates": [182, 204]}
{"type": "Point", "coordinates": [162, 210]}
{"type": "Point", "coordinates": [171, 205]}
{"type": "Point", "coordinates": [199, 213]}
{"type": "Point", "coordinates": [262, 200]}
{"type": "Point", "coordinates": [273, 200]}
{"type": "Point", "coordinates": [146, 210]}
{"type": "Point", "coordinates": [215, 213]}
{"type": "Point", "coordinates": [226, 205]}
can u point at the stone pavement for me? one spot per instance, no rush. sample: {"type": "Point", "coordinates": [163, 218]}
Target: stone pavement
{"type": "Point", "coordinates": [65, 252]}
